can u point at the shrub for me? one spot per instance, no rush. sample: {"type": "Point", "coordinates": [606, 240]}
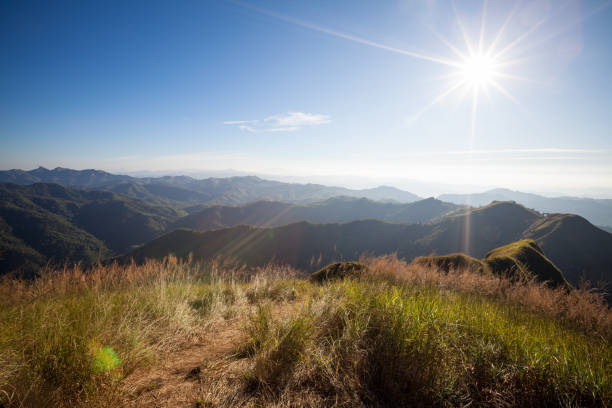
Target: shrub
{"type": "Point", "coordinates": [339, 270]}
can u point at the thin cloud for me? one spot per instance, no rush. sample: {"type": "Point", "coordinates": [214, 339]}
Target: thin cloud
{"type": "Point", "coordinates": [247, 128]}
{"type": "Point", "coordinates": [298, 119]}
{"type": "Point", "coordinates": [238, 122]}
{"type": "Point", "coordinates": [476, 152]}
{"type": "Point", "coordinates": [284, 122]}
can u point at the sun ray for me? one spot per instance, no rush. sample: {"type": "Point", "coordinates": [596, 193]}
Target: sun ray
{"type": "Point", "coordinates": [450, 46]}
{"type": "Point", "coordinates": [501, 31]}
{"type": "Point", "coordinates": [529, 32]}
{"type": "Point", "coordinates": [482, 26]}
{"type": "Point", "coordinates": [348, 37]}
{"type": "Point", "coordinates": [477, 68]}
{"type": "Point", "coordinates": [474, 113]}
{"type": "Point", "coordinates": [574, 23]}
{"type": "Point", "coordinates": [464, 34]}
{"type": "Point", "coordinates": [505, 92]}
{"type": "Point", "coordinates": [436, 100]}
{"type": "Point", "coordinates": [516, 77]}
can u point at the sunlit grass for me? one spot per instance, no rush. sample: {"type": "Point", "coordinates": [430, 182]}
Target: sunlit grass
{"type": "Point", "coordinates": [398, 334]}
{"type": "Point", "coordinates": [383, 344]}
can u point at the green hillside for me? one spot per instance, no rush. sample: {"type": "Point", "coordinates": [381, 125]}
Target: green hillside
{"type": "Point", "coordinates": [43, 223]}
{"type": "Point", "coordinates": [524, 258]}
{"type": "Point", "coordinates": [475, 233]}
{"type": "Point", "coordinates": [520, 259]}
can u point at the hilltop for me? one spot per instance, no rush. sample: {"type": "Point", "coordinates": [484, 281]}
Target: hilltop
{"type": "Point", "coordinates": [578, 248]}
{"type": "Point", "coordinates": [522, 259]}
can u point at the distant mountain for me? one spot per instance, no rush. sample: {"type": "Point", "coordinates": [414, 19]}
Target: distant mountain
{"type": "Point", "coordinates": [66, 177]}
{"type": "Point", "coordinates": [597, 211]}
{"type": "Point", "coordinates": [339, 209]}
{"type": "Point", "coordinates": [186, 191]}
{"type": "Point", "coordinates": [44, 222]}
{"type": "Point", "coordinates": [578, 248]}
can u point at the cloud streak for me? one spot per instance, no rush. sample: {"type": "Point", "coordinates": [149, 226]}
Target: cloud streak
{"type": "Point", "coordinates": [285, 122]}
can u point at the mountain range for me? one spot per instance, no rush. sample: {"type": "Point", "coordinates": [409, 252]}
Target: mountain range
{"type": "Point", "coordinates": [194, 194]}
{"type": "Point", "coordinates": [578, 248]}
{"type": "Point", "coordinates": [70, 215]}
{"type": "Point", "coordinates": [45, 222]}
{"type": "Point", "coordinates": [337, 209]}
{"type": "Point", "coordinates": [183, 191]}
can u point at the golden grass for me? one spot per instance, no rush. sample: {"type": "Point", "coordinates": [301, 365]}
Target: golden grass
{"type": "Point", "coordinates": [347, 340]}
{"type": "Point", "coordinates": [583, 307]}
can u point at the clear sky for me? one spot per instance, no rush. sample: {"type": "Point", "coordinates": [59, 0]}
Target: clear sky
{"type": "Point", "coordinates": [497, 93]}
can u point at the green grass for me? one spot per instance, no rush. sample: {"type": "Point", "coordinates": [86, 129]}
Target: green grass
{"type": "Point", "coordinates": [524, 258]}
{"type": "Point", "coordinates": [63, 348]}
{"type": "Point", "coordinates": [400, 335]}
{"type": "Point", "coordinates": [382, 344]}
{"type": "Point", "coordinates": [452, 261]}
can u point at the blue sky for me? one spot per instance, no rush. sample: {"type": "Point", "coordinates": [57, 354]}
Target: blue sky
{"type": "Point", "coordinates": [319, 90]}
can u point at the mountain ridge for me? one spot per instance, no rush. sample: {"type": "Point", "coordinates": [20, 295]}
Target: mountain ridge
{"type": "Point", "coordinates": [589, 255]}
{"type": "Point", "coordinates": [185, 190]}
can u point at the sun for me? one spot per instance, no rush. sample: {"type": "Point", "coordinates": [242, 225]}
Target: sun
{"type": "Point", "coordinates": [477, 71]}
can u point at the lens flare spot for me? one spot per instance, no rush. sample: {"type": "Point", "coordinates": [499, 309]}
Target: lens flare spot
{"type": "Point", "coordinates": [105, 359]}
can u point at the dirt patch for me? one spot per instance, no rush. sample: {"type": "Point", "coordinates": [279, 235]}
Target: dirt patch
{"type": "Point", "coordinates": [198, 374]}
{"type": "Point", "coordinates": [179, 378]}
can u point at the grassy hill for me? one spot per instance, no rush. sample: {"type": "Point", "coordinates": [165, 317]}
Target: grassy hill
{"type": "Point", "coordinates": [43, 223]}
{"type": "Point", "coordinates": [520, 259]}
{"type": "Point", "coordinates": [578, 248]}
{"type": "Point", "coordinates": [171, 333]}
{"type": "Point", "coordinates": [338, 209]}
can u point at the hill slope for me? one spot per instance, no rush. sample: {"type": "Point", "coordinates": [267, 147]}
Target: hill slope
{"type": "Point", "coordinates": [43, 223]}
{"type": "Point", "coordinates": [475, 232]}
{"type": "Point", "coordinates": [525, 258]}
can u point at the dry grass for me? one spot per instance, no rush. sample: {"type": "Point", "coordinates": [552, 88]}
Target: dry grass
{"type": "Point", "coordinates": [375, 343]}
{"type": "Point", "coordinates": [53, 329]}
{"type": "Point", "coordinates": [584, 307]}
{"type": "Point", "coordinates": [400, 335]}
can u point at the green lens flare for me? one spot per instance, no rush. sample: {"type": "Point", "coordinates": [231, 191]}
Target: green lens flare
{"type": "Point", "coordinates": [105, 359]}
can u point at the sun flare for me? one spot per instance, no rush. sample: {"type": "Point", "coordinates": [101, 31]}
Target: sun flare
{"type": "Point", "coordinates": [477, 71]}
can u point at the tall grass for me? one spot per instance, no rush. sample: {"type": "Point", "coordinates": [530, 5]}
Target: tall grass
{"type": "Point", "coordinates": [585, 307]}
{"type": "Point", "coordinates": [54, 331]}
{"type": "Point", "coordinates": [372, 343]}
{"type": "Point", "coordinates": [399, 335]}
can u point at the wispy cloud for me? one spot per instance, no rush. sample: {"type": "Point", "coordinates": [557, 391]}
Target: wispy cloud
{"type": "Point", "coordinates": [238, 122]}
{"type": "Point", "coordinates": [285, 122]}
{"type": "Point", "coordinates": [477, 152]}
{"type": "Point", "coordinates": [297, 119]}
